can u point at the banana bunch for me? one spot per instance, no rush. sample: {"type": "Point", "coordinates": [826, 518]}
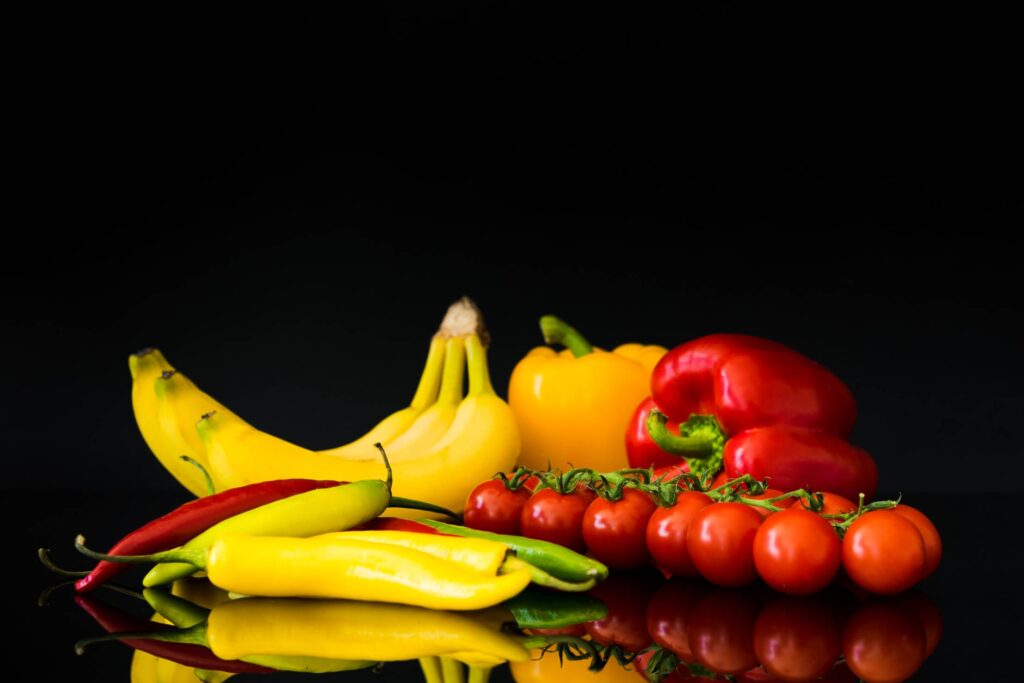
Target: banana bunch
{"type": "Point", "coordinates": [440, 446]}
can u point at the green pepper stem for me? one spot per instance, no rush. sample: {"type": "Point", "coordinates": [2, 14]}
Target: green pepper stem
{"type": "Point", "coordinates": [412, 504]}
{"type": "Point", "coordinates": [44, 557]}
{"type": "Point", "coordinates": [557, 331]}
{"type": "Point", "coordinates": [690, 446]}
{"type": "Point", "coordinates": [387, 464]}
{"type": "Point", "coordinates": [542, 578]}
{"type": "Point", "coordinates": [195, 635]}
{"type": "Point", "coordinates": [193, 556]}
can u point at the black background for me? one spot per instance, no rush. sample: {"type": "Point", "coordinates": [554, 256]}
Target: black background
{"type": "Point", "coordinates": [285, 200]}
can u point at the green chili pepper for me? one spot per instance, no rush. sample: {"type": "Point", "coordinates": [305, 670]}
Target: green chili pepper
{"type": "Point", "coordinates": [302, 515]}
{"type": "Point", "coordinates": [554, 559]}
{"type": "Point", "coordinates": [537, 608]}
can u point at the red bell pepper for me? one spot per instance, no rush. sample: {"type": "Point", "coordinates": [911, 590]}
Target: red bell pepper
{"type": "Point", "coordinates": [795, 458]}
{"type": "Point", "coordinates": [793, 416]}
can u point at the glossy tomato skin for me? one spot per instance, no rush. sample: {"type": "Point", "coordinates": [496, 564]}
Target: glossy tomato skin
{"type": "Point", "coordinates": [721, 630]}
{"type": "Point", "coordinates": [883, 552]}
{"type": "Point", "coordinates": [929, 534]}
{"type": "Point", "coordinates": [668, 615]}
{"type": "Point", "coordinates": [797, 639]}
{"type": "Point", "coordinates": [884, 642]}
{"type": "Point", "coordinates": [491, 506]}
{"type": "Point", "coordinates": [927, 613]}
{"type": "Point", "coordinates": [796, 552]}
{"type": "Point", "coordinates": [556, 517]}
{"type": "Point", "coordinates": [626, 595]}
{"type": "Point", "coordinates": [615, 531]}
{"type": "Point", "coordinates": [832, 504]}
{"type": "Point", "coordinates": [667, 530]}
{"type": "Point", "coordinates": [721, 543]}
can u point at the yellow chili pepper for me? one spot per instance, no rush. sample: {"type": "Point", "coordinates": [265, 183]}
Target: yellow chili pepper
{"type": "Point", "coordinates": [477, 554]}
{"type": "Point", "coordinates": [573, 406]}
{"type": "Point", "coordinates": [341, 629]}
{"type": "Point", "coordinates": [322, 567]}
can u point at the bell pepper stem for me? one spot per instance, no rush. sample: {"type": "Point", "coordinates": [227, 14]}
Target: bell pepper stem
{"type": "Point", "coordinates": [557, 331]}
{"type": "Point", "coordinates": [691, 446]}
{"type": "Point", "coordinates": [193, 556]}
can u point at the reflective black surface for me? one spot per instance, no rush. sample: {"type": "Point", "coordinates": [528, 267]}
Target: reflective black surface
{"type": "Point", "coordinates": [976, 588]}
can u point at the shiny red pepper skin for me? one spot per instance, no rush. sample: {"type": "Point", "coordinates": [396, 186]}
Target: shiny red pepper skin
{"type": "Point", "coordinates": [641, 450]}
{"type": "Point", "coordinates": [191, 519]}
{"type": "Point", "coordinates": [748, 382]}
{"type": "Point", "coordinates": [801, 458]}
{"type": "Point", "coordinates": [398, 524]}
{"type": "Point", "coordinates": [114, 620]}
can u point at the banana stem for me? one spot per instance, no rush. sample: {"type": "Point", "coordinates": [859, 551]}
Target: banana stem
{"type": "Point", "coordinates": [431, 669]}
{"type": "Point", "coordinates": [452, 670]}
{"type": "Point", "coordinates": [476, 358]}
{"type": "Point", "coordinates": [430, 380]}
{"type": "Point", "coordinates": [454, 369]}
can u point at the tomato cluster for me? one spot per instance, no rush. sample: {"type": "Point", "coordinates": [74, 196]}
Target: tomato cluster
{"type": "Point", "coordinates": [731, 534]}
{"type": "Point", "coordinates": [684, 628]}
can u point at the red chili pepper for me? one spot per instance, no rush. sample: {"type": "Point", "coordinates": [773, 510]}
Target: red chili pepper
{"type": "Point", "coordinates": [726, 385]}
{"type": "Point", "coordinates": [114, 620]}
{"type": "Point", "coordinates": [193, 518]}
{"type": "Point", "coordinates": [796, 458]}
{"type": "Point", "coordinates": [398, 524]}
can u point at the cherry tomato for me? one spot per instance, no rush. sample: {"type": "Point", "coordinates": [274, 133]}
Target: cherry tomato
{"type": "Point", "coordinates": [721, 542]}
{"type": "Point", "coordinates": [930, 535]}
{"type": "Point", "coordinates": [832, 504]}
{"type": "Point", "coordinates": [615, 531]}
{"type": "Point", "coordinates": [796, 552]}
{"type": "Point", "coordinates": [883, 552]}
{"type": "Point", "coordinates": [770, 493]}
{"type": "Point", "coordinates": [797, 639]}
{"type": "Point", "coordinates": [555, 517]}
{"type": "Point", "coordinates": [929, 615]}
{"type": "Point", "coordinates": [668, 615]}
{"type": "Point", "coordinates": [626, 595]}
{"type": "Point", "coordinates": [721, 631]}
{"type": "Point", "coordinates": [491, 506]}
{"type": "Point", "coordinates": [884, 642]}
{"type": "Point", "coordinates": [667, 529]}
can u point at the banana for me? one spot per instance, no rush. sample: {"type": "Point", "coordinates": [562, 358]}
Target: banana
{"type": "Point", "coordinates": [482, 439]}
{"type": "Point", "coordinates": [147, 366]}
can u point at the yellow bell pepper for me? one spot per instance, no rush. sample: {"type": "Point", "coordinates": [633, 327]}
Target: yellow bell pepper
{"type": "Point", "coordinates": [332, 567]}
{"type": "Point", "coordinates": [573, 406]}
{"type": "Point", "coordinates": [344, 630]}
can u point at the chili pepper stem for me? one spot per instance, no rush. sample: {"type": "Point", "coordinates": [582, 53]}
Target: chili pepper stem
{"type": "Point", "coordinates": [196, 557]}
{"type": "Point", "coordinates": [412, 504]}
{"type": "Point", "coordinates": [195, 635]}
{"type": "Point", "coordinates": [387, 464]}
{"type": "Point", "coordinates": [44, 557]}
{"type": "Point", "coordinates": [542, 578]}
{"type": "Point", "coordinates": [557, 331]}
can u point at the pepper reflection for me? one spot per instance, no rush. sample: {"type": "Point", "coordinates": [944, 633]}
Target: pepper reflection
{"type": "Point", "coordinates": [630, 628]}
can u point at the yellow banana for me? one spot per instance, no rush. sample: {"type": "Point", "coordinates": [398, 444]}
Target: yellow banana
{"type": "Point", "coordinates": [483, 439]}
{"type": "Point", "coordinates": [146, 367]}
